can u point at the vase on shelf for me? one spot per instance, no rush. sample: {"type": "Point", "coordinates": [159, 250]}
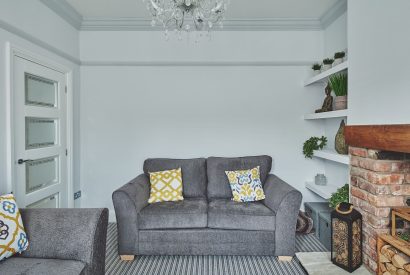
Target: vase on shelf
{"type": "Point", "coordinates": [320, 179]}
{"type": "Point", "coordinates": [340, 143]}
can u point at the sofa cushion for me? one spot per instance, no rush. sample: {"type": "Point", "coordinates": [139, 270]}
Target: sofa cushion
{"type": "Point", "coordinates": [35, 266]}
{"type": "Point", "coordinates": [246, 185]}
{"type": "Point", "coordinates": [228, 214]}
{"type": "Point", "coordinates": [189, 213]}
{"type": "Point", "coordinates": [165, 186]}
{"type": "Point", "coordinates": [218, 184]}
{"type": "Point", "coordinates": [193, 173]}
{"type": "Point", "coordinates": [13, 238]}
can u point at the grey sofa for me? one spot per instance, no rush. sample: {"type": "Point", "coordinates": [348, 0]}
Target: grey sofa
{"type": "Point", "coordinates": [61, 241]}
{"type": "Point", "coordinates": [207, 221]}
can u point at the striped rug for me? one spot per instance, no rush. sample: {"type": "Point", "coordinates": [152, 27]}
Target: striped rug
{"type": "Point", "coordinates": [206, 265]}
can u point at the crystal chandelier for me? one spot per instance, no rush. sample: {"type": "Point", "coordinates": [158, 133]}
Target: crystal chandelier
{"type": "Point", "coordinates": [187, 15]}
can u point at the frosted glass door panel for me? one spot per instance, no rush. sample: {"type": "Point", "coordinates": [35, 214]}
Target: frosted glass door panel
{"type": "Point", "coordinates": [40, 91]}
{"type": "Point", "coordinates": [41, 173]}
{"type": "Point", "coordinates": [50, 202]}
{"type": "Point", "coordinates": [40, 132]}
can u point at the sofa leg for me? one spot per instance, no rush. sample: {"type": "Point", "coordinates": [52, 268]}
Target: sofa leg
{"type": "Point", "coordinates": [127, 257]}
{"type": "Point", "coordinates": [285, 258]}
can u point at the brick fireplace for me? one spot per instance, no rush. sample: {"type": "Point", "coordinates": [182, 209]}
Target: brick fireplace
{"type": "Point", "coordinates": [380, 178]}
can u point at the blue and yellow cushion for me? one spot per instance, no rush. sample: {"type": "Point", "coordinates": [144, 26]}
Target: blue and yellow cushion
{"type": "Point", "coordinates": [13, 238]}
{"type": "Point", "coordinates": [246, 185]}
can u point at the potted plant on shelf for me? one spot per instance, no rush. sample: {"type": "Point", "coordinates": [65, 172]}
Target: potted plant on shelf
{"type": "Point", "coordinates": [327, 64]}
{"type": "Point", "coordinates": [339, 57]}
{"type": "Point", "coordinates": [314, 143]}
{"type": "Point", "coordinates": [341, 195]}
{"type": "Point", "coordinates": [338, 83]}
{"type": "Point", "coordinates": [316, 68]}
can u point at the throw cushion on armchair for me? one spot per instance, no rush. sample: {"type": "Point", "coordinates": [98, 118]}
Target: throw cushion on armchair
{"type": "Point", "coordinates": [246, 185]}
{"type": "Point", "coordinates": [166, 186]}
{"type": "Point", "coordinates": [13, 238]}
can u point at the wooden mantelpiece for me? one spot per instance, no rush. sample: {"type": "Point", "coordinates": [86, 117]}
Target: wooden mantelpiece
{"type": "Point", "coordinates": [394, 138]}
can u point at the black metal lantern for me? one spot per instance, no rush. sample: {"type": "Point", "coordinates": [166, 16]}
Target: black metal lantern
{"type": "Point", "coordinates": [346, 232]}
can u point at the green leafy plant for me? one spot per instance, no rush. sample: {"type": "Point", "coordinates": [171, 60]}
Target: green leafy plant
{"type": "Point", "coordinates": [328, 61]}
{"type": "Point", "coordinates": [338, 83]}
{"type": "Point", "coordinates": [316, 67]}
{"type": "Point", "coordinates": [340, 55]}
{"type": "Point", "coordinates": [341, 195]}
{"type": "Point", "coordinates": [314, 143]}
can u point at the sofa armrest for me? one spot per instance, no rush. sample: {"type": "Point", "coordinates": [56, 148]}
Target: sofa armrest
{"type": "Point", "coordinates": [285, 201]}
{"type": "Point", "coordinates": [128, 202]}
{"type": "Point", "coordinates": [69, 234]}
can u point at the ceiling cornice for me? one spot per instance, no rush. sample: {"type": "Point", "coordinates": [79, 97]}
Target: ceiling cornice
{"type": "Point", "coordinates": [333, 13]}
{"type": "Point", "coordinates": [142, 24]}
{"type": "Point", "coordinates": [65, 11]}
{"type": "Point", "coordinates": [68, 13]}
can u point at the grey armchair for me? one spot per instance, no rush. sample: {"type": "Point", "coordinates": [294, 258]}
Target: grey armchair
{"type": "Point", "coordinates": [61, 241]}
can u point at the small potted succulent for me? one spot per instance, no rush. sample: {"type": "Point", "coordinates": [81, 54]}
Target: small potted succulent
{"type": "Point", "coordinates": [339, 58]}
{"type": "Point", "coordinates": [316, 68]}
{"type": "Point", "coordinates": [338, 83]}
{"type": "Point", "coordinates": [327, 64]}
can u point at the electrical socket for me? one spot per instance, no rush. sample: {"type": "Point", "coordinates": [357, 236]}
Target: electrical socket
{"type": "Point", "coordinates": [77, 195]}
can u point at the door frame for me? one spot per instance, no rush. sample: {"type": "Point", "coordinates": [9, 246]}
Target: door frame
{"type": "Point", "coordinates": [13, 51]}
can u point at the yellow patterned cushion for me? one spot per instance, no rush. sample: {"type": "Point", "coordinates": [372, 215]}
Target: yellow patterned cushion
{"type": "Point", "coordinates": [13, 238]}
{"type": "Point", "coordinates": [166, 186]}
{"type": "Point", "coordinates": [246, 185]}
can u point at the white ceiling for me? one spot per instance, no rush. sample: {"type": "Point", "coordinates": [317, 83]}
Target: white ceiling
{"type": "Point", "coordinates": [238, 9]}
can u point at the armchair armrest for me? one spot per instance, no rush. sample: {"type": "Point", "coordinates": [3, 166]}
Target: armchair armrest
{"type": "Point", "coordinates": [285, 201]}
{"type": "Point", "coordinates": [68, 234]}
{"type": "Point", "coordinates": [128, 201]}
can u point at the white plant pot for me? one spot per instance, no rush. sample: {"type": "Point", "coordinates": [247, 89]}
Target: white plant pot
{"type": "Point", "coordinates": [326, 67]}
{"type": "Point", "coordinates": [316, 72]}
{"type": "Point", "coordinates": [337, 62]}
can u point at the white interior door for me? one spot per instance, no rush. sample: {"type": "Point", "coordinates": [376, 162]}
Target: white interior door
{"type": "Point", "coordinates": [40, 135]}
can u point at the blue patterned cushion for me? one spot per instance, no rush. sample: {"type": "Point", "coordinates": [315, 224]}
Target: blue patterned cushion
{"type": "Point", "coordinates": [13, 238]}
{"type": "Point", "coordinates": [246, 185]}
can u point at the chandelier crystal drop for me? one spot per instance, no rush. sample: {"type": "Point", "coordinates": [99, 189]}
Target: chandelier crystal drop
{"type": "Point", "coordinates": [187, 15]}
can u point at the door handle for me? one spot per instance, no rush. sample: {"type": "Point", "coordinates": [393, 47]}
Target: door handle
{"type": "Point", "coordinates": [21, 161]}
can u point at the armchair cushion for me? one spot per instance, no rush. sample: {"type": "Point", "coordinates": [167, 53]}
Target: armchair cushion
{"type": "Point", "coordinates": [35, 266]}
{"type": "Point", "coordinates": [189, 213]}
{"type": "Point", "coordinates": [227, 214]}
{"type": "Point", "coordinates": [218, 184]}
{"type": "Point", "coordinates": [193, 173]}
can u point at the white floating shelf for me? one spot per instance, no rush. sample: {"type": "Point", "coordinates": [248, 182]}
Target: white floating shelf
{"type": "Point", "coordinates": [324, 75]}
{"type": "Point", "coordinates": [325, 191]}
{"type": "Point", "coordinates": [331, 155]}
{"type": "Point", "coordinates": [324, 115]}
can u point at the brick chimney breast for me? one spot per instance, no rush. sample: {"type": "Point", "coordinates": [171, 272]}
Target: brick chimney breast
{"type": "Point", "coordinates": [380, 180]}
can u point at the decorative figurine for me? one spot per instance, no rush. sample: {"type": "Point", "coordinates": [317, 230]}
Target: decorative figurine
{"type": "Point", "coordinates": [328, 102]}
{"type": "Point", "coordinates": [340, 143]}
